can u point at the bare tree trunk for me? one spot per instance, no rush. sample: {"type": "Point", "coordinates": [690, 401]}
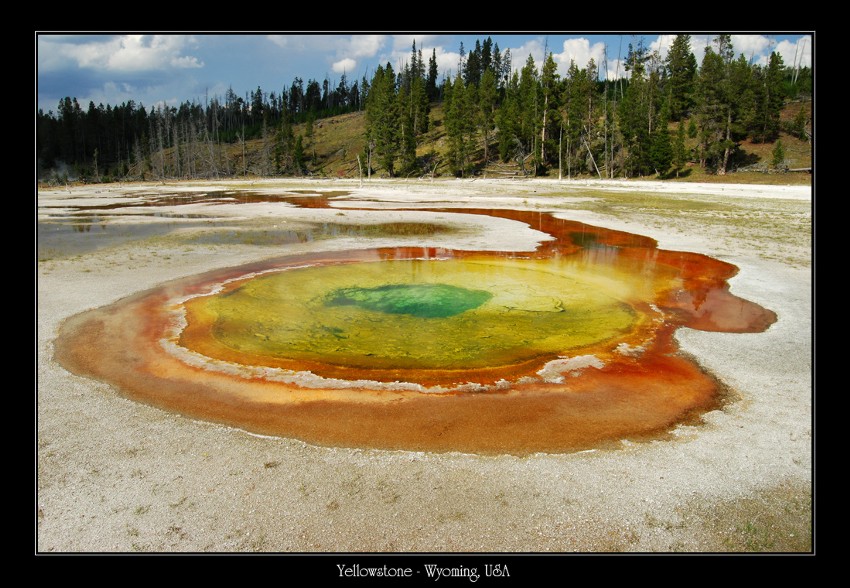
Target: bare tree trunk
{"type": "Point", "coordinates": [612, 150]}
{"type": "Point", "coordinates": [534, 153]}
{"type": "Point", "coordinates": [592, 159]}
{"type": "Point", "coordinates": [268, 162]}
{"type": "Point", "coordinates": [190, 168]}
{"type": "Point", "coordinates": [543, 130]}
{"type": "Point", "coordinates": [369, 166]}
{"type": "Point", "coordinates": [605, 145]}
{"type": "Point", "coordinates": [605, 109]}
{"type": "Point", "coordinates": [560, 151]}
{"type": "Point", "coordinates": [360, 170]}
{"type": "Point", "coordinates": [722, 169]}
{"type": "Point", "coordinates": [176, 150]}
{"type": "Point", "coordinates": [211, 151]}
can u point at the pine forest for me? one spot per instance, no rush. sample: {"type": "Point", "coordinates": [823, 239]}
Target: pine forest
{"type": "Point", "coordinates": [659, 118]}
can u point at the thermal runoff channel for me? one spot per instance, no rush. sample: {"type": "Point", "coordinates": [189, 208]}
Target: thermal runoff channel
{"type": "Point", "coordinates": [566, 347]}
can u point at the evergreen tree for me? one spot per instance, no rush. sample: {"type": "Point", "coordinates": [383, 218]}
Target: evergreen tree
{"type": "Point", "coordinates": [507, 68]}
{"type": "Point", "coordinates": [298, 156]}
{"type": "Point", "coordinates": [774, 98]}
{"type": "Point", "coordinates": [661, 147]}
{"type": "Point", "coordinates": [715, 106]}
{"type": "Point", "coordinates": [573, 101]}
{"type": "Point", "coordinates": [472, 69]}
{"type": "Point", "coordinates": [327, 95]}
{"type": "Point", "coordinates": [535, 117]}
{"type": "Point", "coordinates": [487, 96]}
{"type": "Point", "coordinates": [681, 70]}
{"type": "Point", "coordinates": [342, 92]}
{"type": "Point", "coordinates": [798, 127]}
{"type": "Point", "coordinates": [548, 85]}
{"type": "Point", "coordinates": [313, 97]}
{"type": "Point", "coordinates": [529, 110]}
{"type": "Point", "coordinates": [419, 70]}
{"type": "Point", "coordinates": [419, 106]}
{"type": "Point", "coordinates": [365, 88]}
{"type": "Point", "coordinates": [354, 97]}
{"type": "Point", "coordinates": [635, 113]}
{"type": "Point", "coordinates": [296, 97]}
{"type": "Point", "coordinates": [636, 59]}
{"type": "Point", "coordinates": [746, 99]}
{"type": "Point", "coordinates": [431, 89]}
{"type": "Point", "coordinates": [510, 145]}
{"type": "Point", "coordinates": [486, 55]}
{"type": "Point", "coordinates": [460, 107]}
{"type": "Point", "coordinates": [382, 117]}
{"type": "Point", "coordinates": [496, 66]}
{"type": "Point", "coordinates": [257, 106]}
{"type": "Point", "coordinates": [778, 155]}
{"type": "Point", "coordinates": [407, 138]}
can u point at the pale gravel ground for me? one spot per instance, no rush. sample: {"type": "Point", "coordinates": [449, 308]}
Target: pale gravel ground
{"type": "Point", "coordinates": [114, 475]}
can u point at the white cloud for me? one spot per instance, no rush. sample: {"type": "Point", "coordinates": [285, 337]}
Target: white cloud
{"type": "Point", "coordinates": [284, 41]}
{"type": "Point", "coordinates": [345, 65]}
{"type": "Point", "coordinates": [126, 53]}
{"type": "Point", "coordinates": [352, 49]}
{"type": "Point", "coordinates": [186, 62]}
{"type": "Point", "coordinates": [51, 53]}
{"type": "Point", "coordinates": [447, 62]}
{"type": "Point", "coordinates": [801, 50]}
{"type": "Point", "coordinates": [662, 45]}
{"type": "Point", "coordinates": [341, 52]}
{"type": "Point", "coordinates": [399, 54]}
{"type": "Point", "coordinates": [342, 45]}
{"type": "Point", "coordinates": [405, 42]}
{"type": "Point", "coordinates": [755, 48]}
{"type": "Point", "coordinates": [616, 69]}
{"type": "Point", "coordinates": [533, 47]}
{"type": "Point", "coordinates": [698, 45]}
{"type": "Point", "coordinates": [301, 43]}
{"type": "Point", "coordinates": [752, 46]}
{"type": "Point", "coordinates": [361, 45]}
{"type": "Point", "coordinates": [580, 51]}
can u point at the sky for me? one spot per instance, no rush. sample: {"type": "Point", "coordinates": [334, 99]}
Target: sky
{"type": "Point", "coordinates": [169, 69]}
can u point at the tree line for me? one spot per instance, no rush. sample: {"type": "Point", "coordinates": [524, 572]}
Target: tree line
{"type": "Point", "coordinates": [129, 140]}
{"type": "Point", "coordinates": [635, 125]}
{"type": "Point", "coordinates": [539, 121]}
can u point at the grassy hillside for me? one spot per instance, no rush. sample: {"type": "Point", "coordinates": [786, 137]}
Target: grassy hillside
{"type": "Point", "coordinates": [336, 142]}
{"type": "Point", "coordinates": [758, 156]}
{"type": "Point", "coordinates": [332, 151]}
